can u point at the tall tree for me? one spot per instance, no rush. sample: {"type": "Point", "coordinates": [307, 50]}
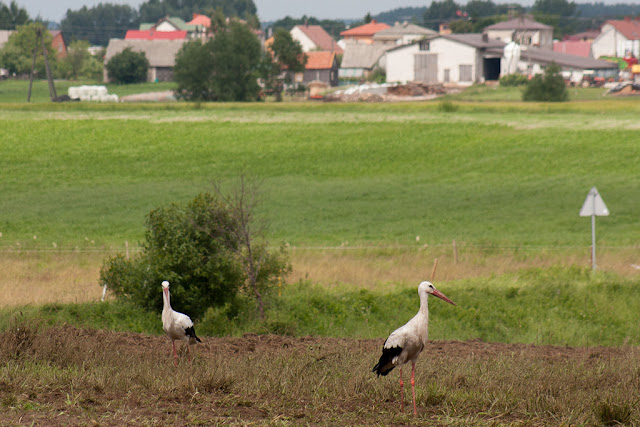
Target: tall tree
{"type": "Point", "coordinates": [285, 53]}
{"type": "Point", "coordinates": [12, 16]}
{"type": "Point", "coordinates": [440, 11]}
{"type": "Point", "coordinates": [333, 27]}
{"type": "Point", "coordinates": [225, 68]}
{"type": "Point", "coordinates": [153, 10]}
{"type": "Point", "coordinates": [99, 24]}
{"type": "Point", "coordinates": [17, 53]}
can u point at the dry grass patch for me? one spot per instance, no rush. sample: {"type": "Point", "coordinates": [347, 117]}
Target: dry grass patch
{"type": "Point", "coordinates": [69, 376]}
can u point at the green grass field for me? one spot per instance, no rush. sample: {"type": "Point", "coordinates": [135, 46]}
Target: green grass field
{"type": "Point", "coordinates": [487, 174]}
{"type": "Point", "coordinates": [367, 195]}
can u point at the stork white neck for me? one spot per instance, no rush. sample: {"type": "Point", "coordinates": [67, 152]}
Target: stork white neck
{"type": "Point", "coordinates": [166, 297]}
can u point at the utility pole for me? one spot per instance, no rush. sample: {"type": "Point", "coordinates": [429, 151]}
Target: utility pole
{"type": "Point", "coordinates": [52, 88]}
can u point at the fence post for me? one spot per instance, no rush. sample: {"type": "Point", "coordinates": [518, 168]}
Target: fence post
{"type": "Point", "coordinates": [455, 252]}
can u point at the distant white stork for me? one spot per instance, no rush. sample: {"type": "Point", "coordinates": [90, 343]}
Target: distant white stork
{"type": "Point", "coordinates": [407, 342]}
{"type": "Point", "coordinates": [176, 325]}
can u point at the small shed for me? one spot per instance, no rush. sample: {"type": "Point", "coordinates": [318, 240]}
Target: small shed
{"type": "Point", "coordinates": [321, 67]}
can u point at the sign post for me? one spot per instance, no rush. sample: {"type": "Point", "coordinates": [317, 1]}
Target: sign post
{"type": "Point", "coordinates": [593, 206]}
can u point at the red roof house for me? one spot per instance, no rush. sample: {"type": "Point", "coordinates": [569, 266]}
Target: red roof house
{"type": "Point", "coordinates": [364, 33]}
{"type": "Point", "coordinates": [198, 19]}
{"type": "Point", "coordinates": [618, 38]}
{"type": "Point", "coordinates": [314, 37]}
{"type": "Point", "coordinates": [58, 44]}
{"type": "Point", "coordinates": [155, 35]}
{"type": "Point", "coordinates": [321, 66]}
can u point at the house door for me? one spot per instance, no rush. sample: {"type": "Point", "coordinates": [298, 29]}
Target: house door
{"type": "Point", "coordinates": [491, 68]}
{"type": "Point", "coordinates": [425, 67]}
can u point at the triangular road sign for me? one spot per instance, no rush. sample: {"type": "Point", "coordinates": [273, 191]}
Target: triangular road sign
{"type": "Point", "coordinates": [594, 205]}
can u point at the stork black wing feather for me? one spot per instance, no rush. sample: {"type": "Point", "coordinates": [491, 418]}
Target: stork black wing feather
{"type": "Point", "coordinates": [385, 365]}
{"type": "Point", "coordinates": [191, 333]}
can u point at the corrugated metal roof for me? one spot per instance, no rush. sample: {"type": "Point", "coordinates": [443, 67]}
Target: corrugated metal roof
{"type": "Point", "coordinates": [403, 29]}
{"type": "Point", "coordinates": [519, 23]}
{"type": "Point", "coordinates": [475, 39]}
{"type": "Point", "coordinates": [159, 53]}
{"type": "Point", "coordinates": [362, 55]}
{"type": "Point", "coordinates": [573, 47]}
{"type": "Point", "coordinates": [545, 56]}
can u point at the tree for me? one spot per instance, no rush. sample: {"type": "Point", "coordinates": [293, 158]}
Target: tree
{"type": "Point", "coordinates": [225, 68]}
{"type": "Point", "coordinates": [285, 53]}
{"type": "Point", "coordinates": [74, 64]}
{"type": "Point", "coordinates": [557, 13]}
{"type": "Point", "coordinates": [128, 67]}
{"type": "Point", "coordinates": [367, 18]}
{"type": "Point", "coordinates": [17, 53]}
{"type": "Point", "coordinates": [210, 249]}
{"type": "Point", "coordinates": [262, 267]}
{"type": "Point", "coordinates": [549, 87]}
{"type": "Point", "coordinates": [193, 71]}
{"type": "Point", "coordinates": [99, 24]}
{"type": "Point", "coordinates": [183, 245]}
{"type": "Point", "coordinates": [153, 10]}
{"type": "Point", "coordinates": [333, 27]}
{"type": "Point", "coordinates": [440, 11]}
{"type": "Point", "coordinates": [12, 16]}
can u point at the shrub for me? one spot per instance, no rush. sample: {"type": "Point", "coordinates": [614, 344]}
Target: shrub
{"type": "Point", "coordinates": [515, 79]}
{"type": "Point", "coordinates": [128, 67]}
{"type": "Point", "coordinates": [549, 87]}
{"type": "Point", "coordinates": [183, 245]}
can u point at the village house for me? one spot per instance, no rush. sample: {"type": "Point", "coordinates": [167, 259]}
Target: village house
{"type": "Point", "coordinates": [160, 54]}
{"type": "Point", "coordinates": [321, 66]}
{"type": "Point", "coordinates": [402, 33]}
{"type": "Point", "coordinates": [314, 37]}
{"type": "Point", "coordinates": [173, 23]}
{"type": "Point", "coordinates": [523, 30]}
{"type": "Point", "coordinates": [618, 38]}
{"type": "Point", "coordinates": [465, 59]}
{"type": "Point", "coordinates": [363, 33]}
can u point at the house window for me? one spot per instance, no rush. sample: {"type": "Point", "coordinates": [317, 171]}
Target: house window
{"type": "Point", "coordinates": [466, 73]}
{"type": "Point", "coordinates": [424, 45]}
{"type": "Point", "coordinates": [299, 77]}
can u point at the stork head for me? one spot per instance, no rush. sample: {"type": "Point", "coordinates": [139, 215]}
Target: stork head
{"type": "Point", "coordinates": [165, 288]}
{"type": "Point", "coordinates": [428, 289]}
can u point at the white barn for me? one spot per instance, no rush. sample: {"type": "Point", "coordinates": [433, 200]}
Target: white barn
{"type": "Point", "coordinates": [455, 58]}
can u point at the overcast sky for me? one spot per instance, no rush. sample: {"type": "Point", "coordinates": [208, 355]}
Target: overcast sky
{"type": "Point", "coordinates": [268, 10]}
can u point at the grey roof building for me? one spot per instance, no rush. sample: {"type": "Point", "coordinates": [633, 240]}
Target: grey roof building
{"type": "Point", "coordinates": [402, 33]}
{"type": "Point", "coordinates": [161, 55]}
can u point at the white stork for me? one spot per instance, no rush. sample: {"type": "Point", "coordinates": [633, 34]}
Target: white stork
{"type": "Point", "coordinates": [407, 342]}
{"type": "Point", "coordinates": [176, 325]}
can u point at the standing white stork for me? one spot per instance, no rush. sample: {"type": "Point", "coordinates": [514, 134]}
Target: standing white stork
{"type": "Point", "coordinates": [177, 326]}
{"type": "Point", "coordinates": [407, 342]}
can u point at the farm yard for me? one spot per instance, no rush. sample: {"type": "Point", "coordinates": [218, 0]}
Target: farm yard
{"type": "Point", "coordinates": [365, 197]}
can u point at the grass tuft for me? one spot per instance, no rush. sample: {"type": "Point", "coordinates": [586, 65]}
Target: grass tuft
{"type": "Point", "coordinates": [613, 413]}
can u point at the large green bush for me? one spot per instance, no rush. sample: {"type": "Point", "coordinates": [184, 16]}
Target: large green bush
{"type": "Point", "coordinates": [197, 249]}
{"type": "Point", "coordinates": [184, 246]}
{"type": "Point", "coordinates": [549, 87]}
{"type": "Point", "coordinates": [128, 67]}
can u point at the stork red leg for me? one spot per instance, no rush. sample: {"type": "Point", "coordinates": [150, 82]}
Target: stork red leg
{"type": "Point", "coordinates": [175, 355]}
{"type": "Point", "coordinates": [413, 386]}
{"type": "Point", "coordinates": [401, 391]}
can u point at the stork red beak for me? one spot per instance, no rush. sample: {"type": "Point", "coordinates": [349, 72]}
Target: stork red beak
{"type": "Point", "coordinates": [437, 293]}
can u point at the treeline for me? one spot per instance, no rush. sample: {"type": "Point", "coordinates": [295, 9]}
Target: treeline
{"type": "Point", "coordinates": [100, 23]}
{"type": "Point", "coordinates": [567, 17]}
